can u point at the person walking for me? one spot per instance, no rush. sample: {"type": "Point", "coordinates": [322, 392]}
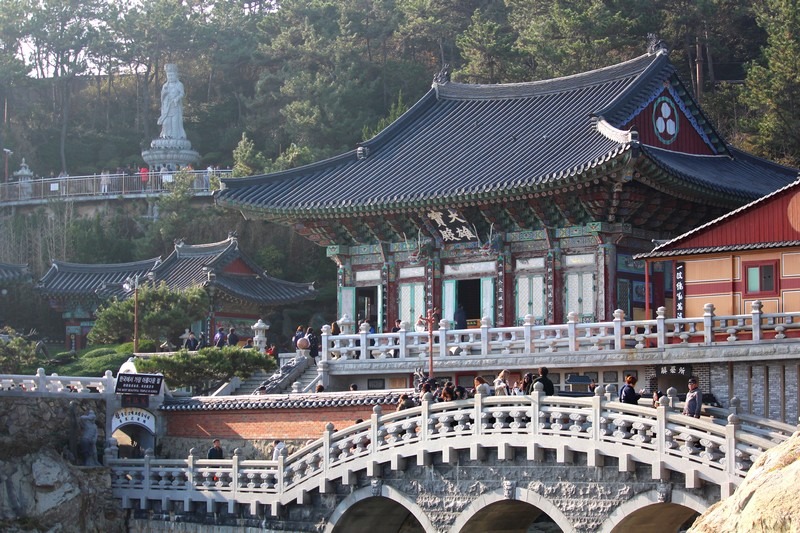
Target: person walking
{"type": "Point", "coordinates": [628, 394]}
{"type": "Point", "coordinates": [220, 339]}
{"type": "Point", "coordinates": [694, 399]}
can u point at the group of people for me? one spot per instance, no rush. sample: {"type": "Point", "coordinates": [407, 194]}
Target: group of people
{"type": "Point", "coordinates": [220, 340]}
{"type": "Point", "coordinates": [522, 387]}
{"type": "Point", "coordinates": [693, 406]}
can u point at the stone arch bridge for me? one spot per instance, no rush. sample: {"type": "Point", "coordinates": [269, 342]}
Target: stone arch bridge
{"type": "Point", "coordinates": [503, 463]}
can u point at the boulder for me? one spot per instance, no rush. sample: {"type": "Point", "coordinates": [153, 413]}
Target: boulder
{"type": "Point", "coordinates": [767, 499]}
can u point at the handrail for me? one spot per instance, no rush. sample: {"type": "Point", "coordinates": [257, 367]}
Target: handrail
{"type": "Point", "coordinates": [718, 450]}
{"type": "Point", "coordinates": [108, 186]}
{"type": "Point", "coordinates": [54, 385]}
{"type": "Point", "coordinates": [618, 334]}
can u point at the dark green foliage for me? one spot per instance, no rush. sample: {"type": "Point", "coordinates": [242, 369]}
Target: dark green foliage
{"type": "Point", "coordinates": [17, 354]}
{"type": "Point", "coordinates": [207, 369]}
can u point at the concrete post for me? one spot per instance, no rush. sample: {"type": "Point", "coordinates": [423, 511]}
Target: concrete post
{"type": "Point", "coordinates": [325, 343]}
{"type": "Point", "coordinates": [661, 326]}
{"type": "Point", "coordinates": [572, 331]}
{"type": "Point", "coordinates": [528, 333]}
{"type": "Point", "coordinates": [708, 324]}
{"type": "Point", "coordinates": [619, 317]}
{"type": "Point", "coordinates": [486, 323]}
{"type": "Point", "coordinates": [756, 308]}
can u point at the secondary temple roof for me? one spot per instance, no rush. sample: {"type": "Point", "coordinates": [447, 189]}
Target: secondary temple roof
{"type": "Point", "coordinates": [464, 145]}
{"type": "Point", "coordinates": [11, 273]}
{"type": "Point", "coordinates": [220, 265]}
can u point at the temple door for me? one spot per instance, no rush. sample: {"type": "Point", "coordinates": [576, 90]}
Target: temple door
{"type": "Point", "coordinates": [487, 298]}
{"type": "Point", "coordinates": [580, 295]}
{"type": "Point", "coordinates": [449, 294]}
{"type": "Point", "coordinates": [411, 302]}
{"type": "Point", "coordinates": [530, 298]}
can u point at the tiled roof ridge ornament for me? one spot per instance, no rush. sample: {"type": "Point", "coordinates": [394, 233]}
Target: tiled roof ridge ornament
{"type": "Point", "coordinates": [443, 76]}
{"type": "Point", "coordinates": [655, 45]}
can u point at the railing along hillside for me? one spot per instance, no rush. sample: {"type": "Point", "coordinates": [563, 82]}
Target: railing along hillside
{"type": "Point", "coordinates": [98, 186]}
{"type": "Point", "coordinates": [714, 449]}
{"type": "Point", "coordinates": [574, 336]}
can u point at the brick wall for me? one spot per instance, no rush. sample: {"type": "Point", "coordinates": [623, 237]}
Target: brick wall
{"type": "Point", "coordinates": [269, 424]}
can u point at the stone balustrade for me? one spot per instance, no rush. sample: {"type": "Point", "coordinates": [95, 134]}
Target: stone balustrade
{"type": "Point", "coordinates": [42, 385]}
{"type": "Point", "coordinates": [572, 337]}
{"type": "Point", "coordinates": [718, 448]}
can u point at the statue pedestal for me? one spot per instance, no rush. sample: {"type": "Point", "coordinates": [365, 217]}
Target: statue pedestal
{"type": "Point", "coordinates": [172, 153]}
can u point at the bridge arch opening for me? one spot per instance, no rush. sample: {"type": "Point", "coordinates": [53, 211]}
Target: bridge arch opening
{"type": "Point", "coordinates": [134, 430]}
{"type": "Point", "coordinates": [378, 508]}
{"type": "Point", "coordinates": [650, 511]}
{"type": "Point", "coordinates": [516, 510]}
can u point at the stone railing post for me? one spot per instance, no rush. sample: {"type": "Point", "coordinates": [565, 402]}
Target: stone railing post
{"type": "Point", "coordinates": [734, 404]}
{"type": "Point", "coordinates": [672, 398]}
{"type": "Point", "coordinates": [661, 326]}
{"type": "Point", "coordinates": [374, 429]}
{"type": "Point", "coordinates": [610, 393]}
{"type": "Point", "coordinates": [572, 331]}
{"type": "Point", "coordinates": [444, 325]}
{"type": "Point", "coordinates": [661, 432]}
{"type": "Point", "coordinates": [146, 479]}
{"type": "Point", "coordinates": [325, 341]}
{"type": "Point", "coordinates": [280, 477]}
{"type": "Point", "coordinates": [324, 371]}
{"type": "Point", "coordinates": [619, 317]}
{"type": "Point", "coordinates": [730, 443]}
{"type": "Point", "coordinates": [403, 339]}
{"type": "Point", "coordinates": [597, 409]}
{"type": "Point", "coordinates": [190, 477]}
{"type": "Point", "coordinates": [477, 421]}
{"type": "Point", "coordinates": [363, 330]}
{"type": "Point", "coordinates": [756, 307]}
{"type": "Point", "coordinates": [536, 403]}
{"type": "Point", "coordinates": [486, 323]}
{"type": "Point", "coordinates": [326, 450]}
{"type": "Point", "coordinates": [41, 380]}
{"type": "Point", "coordinates": [423, 420]}
{"type": "Point", "coordinates": [528, 333]}
{"type": "Point", "coordinates": [237, 457]}
{"type": "Point", "coordinates": [708, 324]}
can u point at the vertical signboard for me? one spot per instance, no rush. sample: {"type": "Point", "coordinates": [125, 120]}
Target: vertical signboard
{"type": "Point", "coordinates": [680, 289]}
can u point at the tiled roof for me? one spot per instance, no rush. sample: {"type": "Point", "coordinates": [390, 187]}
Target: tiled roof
{"type": "Point", "coordinates": [10, 272]}
{"type": "Point", "coordinates": [464, 142]}
{"type": "Point", "coordinates": [287, 401]}
{"type": "Point", "coordinates": [187, 266]}
{"type": "Point", "coordinates": [669, 248]}
{"type": "Point", "coordinates": [104, 280]}
{"type": "Point", "coordinates": [192, 265]}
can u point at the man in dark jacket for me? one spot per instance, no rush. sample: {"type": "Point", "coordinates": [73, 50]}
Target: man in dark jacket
{"type": "Point", "coordinates": [694, 399]}
{"type": "Point", "coordinates": [547, 385]}
{"type": "Point", "coordinates": [233, 338]}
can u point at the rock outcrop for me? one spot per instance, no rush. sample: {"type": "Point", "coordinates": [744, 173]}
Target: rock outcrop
{"type": "Point", "coordinates": [767, 499]}
{"type": "Point", "coordinates": [42, 492]}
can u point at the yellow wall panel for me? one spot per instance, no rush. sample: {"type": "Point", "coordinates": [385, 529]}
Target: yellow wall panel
{"type": "Point", "coordinates": [791, 301]}
{"type": "Point", "coordinates": [719, 269]}
{"type": "Point", "coordinates": [791, 265]}
{"type": "Point", "coordinates": [723, 305]}
{"type": "Point", "coordinates": [767, 306]}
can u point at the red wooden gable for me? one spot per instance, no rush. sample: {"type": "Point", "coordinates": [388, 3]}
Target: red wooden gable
{"type": "Point", "coordinates": [664, 125]}
{"type": "Point", "coordinates": [772, 219]}
{"type": "Point", "coordinates": [237, 266]}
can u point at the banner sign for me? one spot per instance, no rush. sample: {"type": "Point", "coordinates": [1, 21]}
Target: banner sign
{"type": "Point", "coordinates": [139, 384]}
{"type": "Point", "coordinates": [680, 289]}
{"type": "Point", "coordinates": [452, 226]}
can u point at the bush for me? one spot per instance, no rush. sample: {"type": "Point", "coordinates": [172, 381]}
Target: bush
{"type": "Point", "coordinates": [99, 352]}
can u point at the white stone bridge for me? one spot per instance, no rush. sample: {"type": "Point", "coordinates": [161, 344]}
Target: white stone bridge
{"type": "Point", "coordinates": [504, 463]}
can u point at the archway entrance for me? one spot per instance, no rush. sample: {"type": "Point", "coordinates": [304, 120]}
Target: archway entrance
{"type": "Point", "coordinates": [658, 517]}
{"type": "Point", "coordinates": [510, 516]}
{"type": "Point", "coordinates": [134, 429]}
{"type": "Point", "coordinates": [378, 514]}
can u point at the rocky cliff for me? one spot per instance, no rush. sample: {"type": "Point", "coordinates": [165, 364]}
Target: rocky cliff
{"type": "Point", "coordinates": [40, 490]}
{"type": "Point", "coordinates": [767, 499]}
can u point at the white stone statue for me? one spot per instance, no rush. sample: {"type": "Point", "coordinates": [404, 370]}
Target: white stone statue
{"type": "Point", "coordinates": [172, 93]}
{"type": "Point", "coordinates": [87, 449]}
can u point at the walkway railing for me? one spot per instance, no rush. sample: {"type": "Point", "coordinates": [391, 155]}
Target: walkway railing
{"type": "Point", "coordinates": [574, 336]}
{"type": "Point", "coordinates": [41, 384]}
{"type": "Point", "coordinates": [715, 449]}
{"type": "Point", "coordinates": [96, 185]}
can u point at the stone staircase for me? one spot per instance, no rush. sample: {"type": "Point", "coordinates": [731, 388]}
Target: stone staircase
{"type": "Point", "coordinates": [251, 384]}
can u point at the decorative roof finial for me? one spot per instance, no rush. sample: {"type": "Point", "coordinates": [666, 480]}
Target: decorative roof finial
{"type": "Point", "coordinates": [655, 45]}
{"type": "Point", "coordinates": [443, 76]}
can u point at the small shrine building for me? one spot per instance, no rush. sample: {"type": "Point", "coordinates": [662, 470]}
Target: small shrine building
{"type": "Point", "coordinates": [517, 199]}
{"type": "Point", "coordinates": [240, 290]}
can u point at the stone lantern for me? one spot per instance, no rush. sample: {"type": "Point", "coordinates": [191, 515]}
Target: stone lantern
{"type": "Point", "coordinates": [347, 324]}
{"type": "Point", "coordinates": [260, 335]}
{"type": "Point", "coordinates": [24, 176]}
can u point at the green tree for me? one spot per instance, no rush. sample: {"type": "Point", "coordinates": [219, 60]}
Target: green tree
{"type": "Point", "coordinates": [487, 47]}
{"type": "Point", "coordinates": [772, 87]}
{"type": "Point", "coordinates": [206, 369]}
{"type": "Point", "coordinates": [163, 314]}
{"type": "Point", "coordinates": [246, 160]}
{"type": "Point", "coordinates": [17, 355]}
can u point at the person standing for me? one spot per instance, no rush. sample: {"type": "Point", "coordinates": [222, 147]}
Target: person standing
{"type": "Point", "coordinates": [547, 385]}
{"type": "Point", "coordinates": [191, 342]}
{"type": "Point", "coordinates": [694, 399]}
{"type": "Point", "coordinates": [298, 334]}
{"type": "Point", "coordinates": [215, 452]}
{"type": "Point", "coordinates": [313, 343]}
{"type": "Point", "coordinates": [220, 339]}
{"type": "Point", "coordinates": [501, 387]}
{"type": "Point", "coordinates": [628, 394]}
{"type": "Point", "coordinates": [233, 338]}
{"type": "Point", "coordinates": [277, 450]}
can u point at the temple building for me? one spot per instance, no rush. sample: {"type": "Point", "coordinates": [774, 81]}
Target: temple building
{"type": "Point", "coordinates": [749, 255]}
{"type": "Point", "coordinates": [517, 199]}
{"type": "Point", "coordinates": [240, 290]}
